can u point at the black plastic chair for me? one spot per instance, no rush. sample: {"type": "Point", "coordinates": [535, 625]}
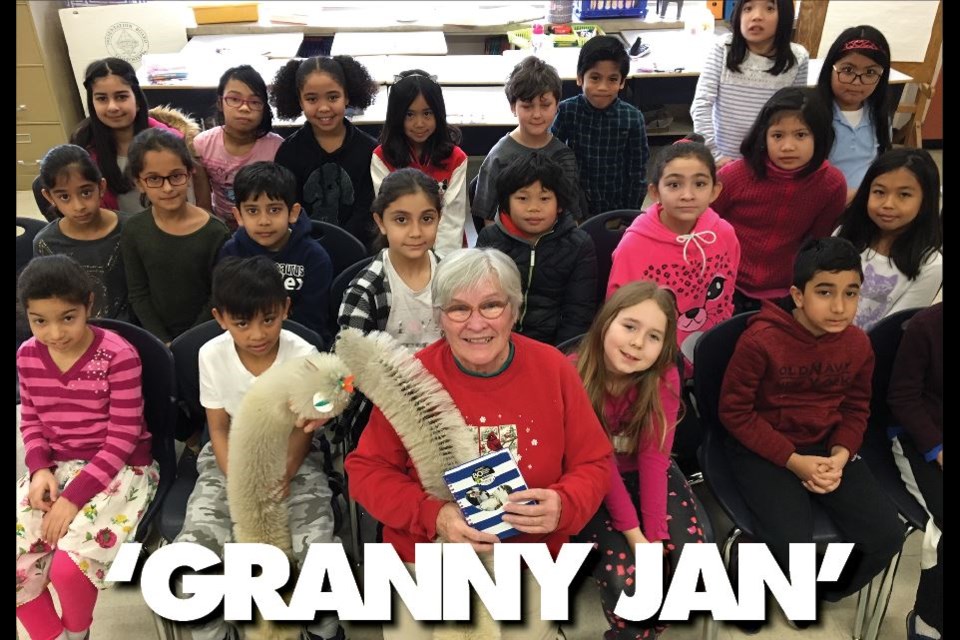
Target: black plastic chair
{"type": "Point", "coordinates": [159, 408]}
{"type": "Point", "coordinates": [712, 354]}
{"type": "Point", "coordinates": [31, 227]}
{"type": "Point", "coordinates": [186, 350]}
{"type": "Point", "coordinates": [339, 287]}
{"type": "Point", "coordinates": [47, 210]}
{"type": "Point", "coordinates": [570, 345]}
{"type": "Point", "coordinates": [343, 248]}
{"type": "Point", "coordinates": [606, 230]}
{"type": "Point", "coordinates": [885, 337]}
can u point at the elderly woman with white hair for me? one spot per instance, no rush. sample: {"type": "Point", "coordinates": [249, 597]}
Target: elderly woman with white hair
{"type": "Point", "coordinates": [514, 393]}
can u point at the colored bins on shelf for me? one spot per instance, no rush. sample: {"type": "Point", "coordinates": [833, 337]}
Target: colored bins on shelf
{"type": "Point", "coordinates": [521, 38]}
{"type": "Point", "coordinates": [593, 9]}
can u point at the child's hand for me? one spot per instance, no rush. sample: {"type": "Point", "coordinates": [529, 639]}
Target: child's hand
{"type": "Point", "coordinates": [634, 537]}
{"type": "Point", "coordinates": [44, 490]}
{"type": "Point", "coordinates": [825, 480]}
{"type": "Point", "coordinates": [722, 160]}
{"type": "Point", "coordinates": [839, 456]}
{"type": "Point", "coordinates": [806, 467]}
{"type": "Point", "coordinates": [940, 459]}
{"type": "Point", "coordinates": [57, 520]}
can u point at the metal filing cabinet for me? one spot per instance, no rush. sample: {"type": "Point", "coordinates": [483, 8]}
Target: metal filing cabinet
{"type": "Point", "coordinates": [48, 106]}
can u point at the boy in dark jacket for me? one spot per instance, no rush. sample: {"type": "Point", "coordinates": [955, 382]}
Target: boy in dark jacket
{"type": "Point", "coordinates": [557, 261]}
{"type": "Point", "coordinates": [795, 398]}
{"type": "Point", "coordinates": [267, 211]}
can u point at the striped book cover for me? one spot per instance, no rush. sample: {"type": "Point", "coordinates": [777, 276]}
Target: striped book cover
{"type": "Point", "coordinates": [481, 487]}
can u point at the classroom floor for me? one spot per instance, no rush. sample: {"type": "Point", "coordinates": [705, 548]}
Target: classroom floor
{"type": "Point", "coordinates": [121, 613]}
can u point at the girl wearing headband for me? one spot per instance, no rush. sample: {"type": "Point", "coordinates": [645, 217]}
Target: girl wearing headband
{"type": "Point", "coordinates": [854, 79]}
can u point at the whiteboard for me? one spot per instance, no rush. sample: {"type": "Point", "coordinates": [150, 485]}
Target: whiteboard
{"type": "Point", "coordinates": [906, 24]}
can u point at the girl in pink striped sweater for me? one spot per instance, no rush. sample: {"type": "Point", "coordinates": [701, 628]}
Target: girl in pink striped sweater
{"type": "Point", "coordinates": [90, 470]}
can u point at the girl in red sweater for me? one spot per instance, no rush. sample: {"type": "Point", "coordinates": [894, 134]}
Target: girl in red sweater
{"type": "Point", "coordinates": [781, 192]}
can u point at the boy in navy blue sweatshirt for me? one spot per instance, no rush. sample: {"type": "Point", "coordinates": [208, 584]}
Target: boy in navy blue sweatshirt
{"type": "Point", "coordinates": [265, 194]}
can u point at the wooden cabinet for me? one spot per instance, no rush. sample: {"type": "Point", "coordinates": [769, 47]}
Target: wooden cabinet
{"type": "Point", "coordinates": [48, 106]}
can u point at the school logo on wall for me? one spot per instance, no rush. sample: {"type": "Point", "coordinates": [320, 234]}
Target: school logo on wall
{"type": "Point", "coordinates": [127, 41]}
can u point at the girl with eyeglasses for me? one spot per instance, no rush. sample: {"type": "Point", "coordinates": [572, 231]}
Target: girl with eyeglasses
{"type": "Point", "coordinates": [854, 79]}
{"type": "Point", "coordinates": [244, 136]}
{"type": "Point", "coordinates": [416, 134]}
{"type": "Point", "coordinates": [118, 111]}
{"type": "Point", "coordinates": [169, 249]}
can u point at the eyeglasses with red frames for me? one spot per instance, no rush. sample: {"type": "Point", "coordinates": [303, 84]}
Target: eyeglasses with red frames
{"type": "Point", "coordinates": [491, 310]}
{"type": "Point", "coordinates": [235, 102]}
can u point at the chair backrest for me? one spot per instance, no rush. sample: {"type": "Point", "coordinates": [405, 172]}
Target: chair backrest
{"type": "Point", "coordinates": [606, 230]}
{"type": "Point", "coordinates": [186, 350]}
{"type": "Point", "coordinates": [712, 354]}
{"type": "Point", "coordinates": [344, 249]}
{"type": "Point", "coordinates": [31, 227]}
{"type": "Point", "coordinates": [339, 286]}
{"type": "Point", "coordinates": [570, 345]}
{"type": "Point", "coordinates": [47, 210]}
{"type": "Point", "coordinates": [885, 338]}
{"type": "Point", "coordinates": [159, 404]}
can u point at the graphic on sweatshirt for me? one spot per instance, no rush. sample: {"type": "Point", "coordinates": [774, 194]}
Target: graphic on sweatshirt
{"type": "Point", "coordinates": [874, 296]}
{"type": "Point", "coordinates": [704, 295]}
{"type": "Point", "coordinates": [327, 191]}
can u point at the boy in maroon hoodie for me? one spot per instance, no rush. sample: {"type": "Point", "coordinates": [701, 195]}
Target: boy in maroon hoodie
{"type": "Point", "coordinates": [795, 398]}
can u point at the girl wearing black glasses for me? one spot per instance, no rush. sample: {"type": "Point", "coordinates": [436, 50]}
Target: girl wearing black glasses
{"type": "Point", "coordinates": [244, 136]}
{"type": "Point", "coordinates": [169, 248]}
{"type": "Point", "coordinates": [854, 79]}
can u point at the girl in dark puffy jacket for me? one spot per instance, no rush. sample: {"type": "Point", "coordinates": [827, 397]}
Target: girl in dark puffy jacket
{"type": "Point", "coordinates": [557, 260]}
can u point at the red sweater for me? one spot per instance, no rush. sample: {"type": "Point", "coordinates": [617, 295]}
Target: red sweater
{"type": "Point", "coordinates": [785, 388]}
{"type": "Point", "coordinates": [93, 412]}
{"type": "Point", "coordinates": [537, 408]}
{"type": "Point", "coordinates": [773, 217]}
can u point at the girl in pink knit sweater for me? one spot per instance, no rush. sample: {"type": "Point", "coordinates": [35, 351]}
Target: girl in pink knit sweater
{"type": "Point", "coordinates": [682, 244]}
{"type": "Point", "coordinates": [780, 193]}
{"type": "Point", "coordinates": [627, 362]}
{"type": "Point", "coordinates": [91, 472]}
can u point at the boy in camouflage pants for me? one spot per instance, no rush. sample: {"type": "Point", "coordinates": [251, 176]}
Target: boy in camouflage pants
{"type": "Point", "coordinates": [250, 303]}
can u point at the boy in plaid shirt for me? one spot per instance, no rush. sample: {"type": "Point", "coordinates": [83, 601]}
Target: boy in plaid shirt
{"type": "Point", "coordinates": [607, 135]}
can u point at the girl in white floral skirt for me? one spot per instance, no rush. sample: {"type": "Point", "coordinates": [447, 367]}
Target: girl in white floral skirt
{"type": "Point", "coordinates": [90, 471]}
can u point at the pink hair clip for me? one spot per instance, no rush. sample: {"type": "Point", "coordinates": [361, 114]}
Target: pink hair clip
{"type": "Point", "coordinates": [861, 44]}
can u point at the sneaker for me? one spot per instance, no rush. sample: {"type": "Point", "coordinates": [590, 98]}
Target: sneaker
{"type": "Point", "coordinates": [638, 50]}
{"type": "Point", "coordinates": [912, 628]}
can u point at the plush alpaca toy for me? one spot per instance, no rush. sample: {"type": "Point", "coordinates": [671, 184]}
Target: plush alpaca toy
{"type": "Point", "coordinates": [311, 387]}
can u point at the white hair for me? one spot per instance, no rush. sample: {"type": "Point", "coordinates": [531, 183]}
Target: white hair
{"type": "Point", "coordinates": [466, 269]}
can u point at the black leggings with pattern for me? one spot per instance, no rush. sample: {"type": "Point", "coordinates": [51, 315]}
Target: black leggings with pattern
{"type": "Point", "coordinates": [614, 568]}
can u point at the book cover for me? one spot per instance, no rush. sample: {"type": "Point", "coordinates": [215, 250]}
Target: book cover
{"type": "Point", "coordinates": [481, 487]}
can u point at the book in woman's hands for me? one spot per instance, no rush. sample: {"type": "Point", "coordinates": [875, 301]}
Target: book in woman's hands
{"type": "Point", "coordinates": [481, 487]}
